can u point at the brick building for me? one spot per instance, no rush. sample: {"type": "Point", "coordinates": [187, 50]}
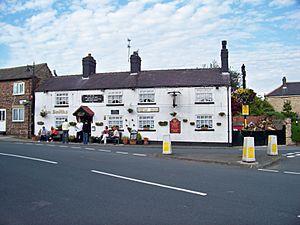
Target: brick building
{"type": "Point", "coordinates": [288, 91]}
{"type": "Point", "coordinates": [17, 87]}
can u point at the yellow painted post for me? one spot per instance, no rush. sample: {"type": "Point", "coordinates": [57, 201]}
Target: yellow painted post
{"type": "Point", "coordinates": [167, 147]}
{"type": "Point", "coordinates": [248, 150]}
{"type": "Point", "coordinates": [272, 145]}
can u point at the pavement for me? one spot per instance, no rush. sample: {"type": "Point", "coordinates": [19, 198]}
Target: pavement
{"type": "Point", "coordinates": [231, 156]}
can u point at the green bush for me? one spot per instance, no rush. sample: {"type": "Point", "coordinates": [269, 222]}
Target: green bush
{"type": "Point", "coordinates": [296, 131]}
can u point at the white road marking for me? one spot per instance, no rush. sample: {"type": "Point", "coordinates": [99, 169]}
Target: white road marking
{"type": "Point", "coordinates": [76, 147]}
{"type": "Point", "coordinates": [103, 150]}
{"type": "Point", "coordinates": [90, 149]}
{"type": "Point", "coordinates": [291, 156]}
{"type": "Point", "coordinates": [124, 153]}
{"type": "Point", "coordinates": [51, 145]}
{"type": "Point", "coordinates": [29, 143]}
{"type": "Point", "coordinates": [291, 153]}
{"type": "Point", "coordinates": [150, 183]}
{"type": "Point", "coordinates": [297, 154]}
{"type": "Point", "coordinates": [265, 170]}
{"type": "Point", "coordinates": [19, 143]}
{"type": "Point", "coordinates": [62, 146]}
{"type": "Point", "coordinates": [25, 157]}
{"type": "Point", "coordinates": [289, 172]}
{"type": "Point", "coordinates": [39, 144]}
{"type": "Point", "coordinates": [137, 154]}
{"type": "Point", "coordinates": [298, 216]}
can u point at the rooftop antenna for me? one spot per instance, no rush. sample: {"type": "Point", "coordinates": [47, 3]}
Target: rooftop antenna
{"type": "Point", "coordinates": [128, 46]}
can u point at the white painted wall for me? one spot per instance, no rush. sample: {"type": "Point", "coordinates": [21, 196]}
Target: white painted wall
{"type": "Point", "coordinates": [186, 109]}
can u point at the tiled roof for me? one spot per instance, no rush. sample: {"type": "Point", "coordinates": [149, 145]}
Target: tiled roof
{"type": "Point", "coordinates": [292, 88]}
{"type": "Point", "coordinates": [145, 79]}
{"type": "Point", "coordinates": [21, 72]}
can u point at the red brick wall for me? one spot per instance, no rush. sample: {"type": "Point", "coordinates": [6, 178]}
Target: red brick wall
{"type": "Point", "coordinates": [9, 101]}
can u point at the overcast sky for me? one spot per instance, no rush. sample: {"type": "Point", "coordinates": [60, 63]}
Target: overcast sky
{"type": "Point", "coordinates": [262, 34]}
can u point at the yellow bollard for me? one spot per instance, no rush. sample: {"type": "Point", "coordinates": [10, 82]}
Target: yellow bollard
{"type": "Point", "coordinates": [248, 150]}
{"type": "Point", "coordinates": [167, 147]}
{"type": "Point", "coordinates": [272, 145]}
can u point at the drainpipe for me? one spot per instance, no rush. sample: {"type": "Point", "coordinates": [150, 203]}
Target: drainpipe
{"type": "Point", "coordinates": [228, 117]}
{"type": "Point", "coordinates": [32, 98]}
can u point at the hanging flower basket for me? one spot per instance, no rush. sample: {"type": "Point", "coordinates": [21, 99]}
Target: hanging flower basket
{"type": "Point", "coordinates": [222, 114]}
{"type": "Point", "coordinates": [163, 123]}
{"type": "Point", "coordinates": [43, 113]}
{"type": "Point", "coordinates": [40, 123]}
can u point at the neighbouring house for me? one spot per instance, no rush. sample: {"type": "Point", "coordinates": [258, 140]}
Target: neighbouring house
{"type": "Point", "coordinates": [190, 105]}
{"type": "Point", "coordinates": [288, 91]}
{"type": "Point", "coordinates": [17, 99]}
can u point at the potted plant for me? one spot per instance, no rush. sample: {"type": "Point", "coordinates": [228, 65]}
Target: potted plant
{"type": "Point", "coordinates": [130, 110]}
{"type": "Point", "coordinates": [125, 140]}
{"type": "Point", "coordinates": [192, 123]}
{"type": "Point", "coordinates": [99, 124]}
{"type": "Point", "coordinates": [185, 120]}
{"type": "Point", "coordinates": [132, 142]}
{"type": "Point", "coordinates": [40, 123]}
{"type": "Point", "coordinates": [43, 113]}
{"type": "Point", "coordinates": [222, 114]}
{"type": "Point", "coordinates": [173, 114]}
{"type": "Point", "coordinates": [139, 139]}
{"type": "Point", "coordinates": [146, 141]}
{"type": "Point", "coordinates": [163, 123]}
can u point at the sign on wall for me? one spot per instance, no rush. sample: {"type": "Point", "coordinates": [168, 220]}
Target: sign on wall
{"type": "Point", "coordinates": [147, 109]}
{"type": "Point", "coordinates": [175, 126]}
{"type": "Point", "coordinates": [92, 98]}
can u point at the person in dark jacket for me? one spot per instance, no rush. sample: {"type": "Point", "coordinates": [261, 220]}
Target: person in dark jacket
{"type": "Point", "coordinates": [86, 129]}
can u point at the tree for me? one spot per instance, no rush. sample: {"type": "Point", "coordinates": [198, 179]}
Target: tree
{"type": "Point", "coordinates": [287, 110]}
{"type": "Point", "coordinates": [235, 79]}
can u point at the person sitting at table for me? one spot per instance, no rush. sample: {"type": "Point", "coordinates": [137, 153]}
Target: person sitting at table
{"type": "Point", "coordinates": [53, 132]}
{"type": "Point", "coordinates": [116, 134]}
{"type": "Point", "coordinates": [43, 134]}
{"type": "Point", "coordinates": [105, 135]}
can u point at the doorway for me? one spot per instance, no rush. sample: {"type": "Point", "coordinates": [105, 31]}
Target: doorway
{"type": "Point", "coordinates": [2, 120]}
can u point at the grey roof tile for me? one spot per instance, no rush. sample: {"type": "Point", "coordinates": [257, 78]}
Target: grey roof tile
{"type": "Point", "coordinates": [145, 79]}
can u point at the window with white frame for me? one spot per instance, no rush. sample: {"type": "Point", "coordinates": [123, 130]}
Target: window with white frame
{"type": "Point", "coordinates": [115, 121]}
{"type": "Point", "coordinates": [146, 96]}
{"type": "Point", "coordinates": [18, 114]}
{"type": "Point", "coordinates": [115, 97]}
{"type": "Point", "coordinates": [204, 121]}
{"type": "Point", "coordinates": [19, 88]}
{"type": "Point", "coordinates": [146, 121]}
{"type": "Point", "coordinates": [62, 99]}
{"type": "Point", "coordinates": [203, 95]}
{"type": "Point", "coordinates": [59, 120]}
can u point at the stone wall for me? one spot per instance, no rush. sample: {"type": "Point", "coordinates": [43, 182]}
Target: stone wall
{"type": "Point", "coordinates": [277, 103]}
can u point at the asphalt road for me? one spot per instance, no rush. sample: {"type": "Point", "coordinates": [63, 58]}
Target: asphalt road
{"type": "Point", "coordinates": [65, 184]}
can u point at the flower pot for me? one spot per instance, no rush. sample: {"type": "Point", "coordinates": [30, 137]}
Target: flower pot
{"type": "Point", "coordinates": [125, 141]}
{"type": "Point", "coordinates": [132, 142]}
{"type": "Point", "coordinates": [146, 141]}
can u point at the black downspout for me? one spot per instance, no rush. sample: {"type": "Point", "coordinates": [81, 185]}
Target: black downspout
{"type": "Point", "coordinates": [33, 98]}
{"type": "Point", "coordinates": [228, 117]}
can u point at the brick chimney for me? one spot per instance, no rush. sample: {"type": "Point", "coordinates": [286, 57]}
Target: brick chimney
{"type": "Point", "coordinates": [224, 58]}
{"type": "Point", "coordinates": [88, 66]}
{"type": "Point", "coordinates": [135, 63]}
{"type": "Point", "coordinates": [284, 86]}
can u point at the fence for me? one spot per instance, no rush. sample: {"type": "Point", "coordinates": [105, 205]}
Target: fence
{"type": "Point", "coordinates": [260, 137]}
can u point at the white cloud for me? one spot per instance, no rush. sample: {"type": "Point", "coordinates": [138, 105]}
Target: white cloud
{"type": "Point", "coordinates": [281, 3]}
{"type": "Point", "coordinates": [174, 34]}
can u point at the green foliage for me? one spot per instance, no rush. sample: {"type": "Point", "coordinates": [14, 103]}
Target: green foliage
{"type": "Point", "coordinates": [296, 131]}
{"type": "Point", "coordinates": [260, 106]}
{"type": "Point", "coordinates": [139, 137]}
{"type": "Point", "coordinates": [235, 79]}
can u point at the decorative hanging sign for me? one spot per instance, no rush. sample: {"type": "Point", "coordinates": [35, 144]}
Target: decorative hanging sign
{"type": "Point", "coordinates": [175, 126]}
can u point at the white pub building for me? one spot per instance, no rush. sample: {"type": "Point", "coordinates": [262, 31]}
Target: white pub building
{"type": "Point", "coordinates": [191, 105]}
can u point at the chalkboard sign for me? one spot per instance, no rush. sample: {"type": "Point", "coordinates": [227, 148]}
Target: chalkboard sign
{"type": "Point", "coordinates": [92, 98]}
